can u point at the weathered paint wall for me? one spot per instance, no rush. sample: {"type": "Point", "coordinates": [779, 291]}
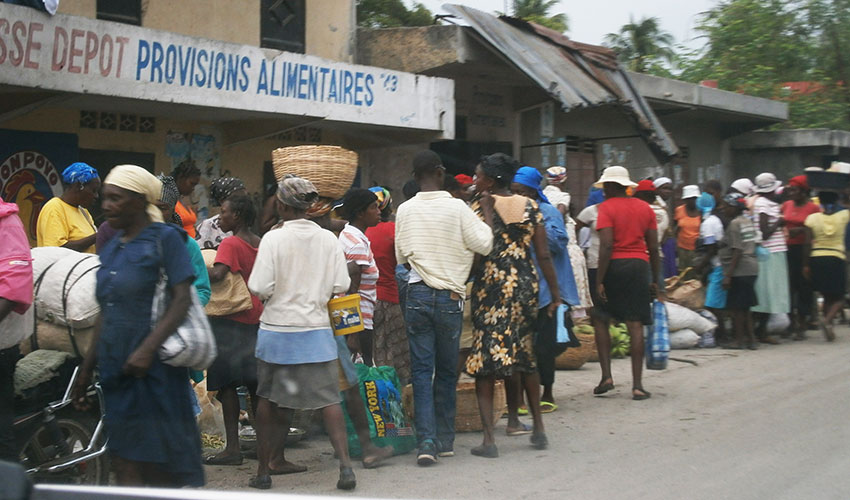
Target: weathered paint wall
{"type": "Point", "coordinates": [330, 24]}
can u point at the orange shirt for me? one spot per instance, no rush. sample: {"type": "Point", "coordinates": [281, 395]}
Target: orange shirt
{"type": "Point", "coordinates": [187, 215]}
{"type": "Point", "coordinates": [688, 229]}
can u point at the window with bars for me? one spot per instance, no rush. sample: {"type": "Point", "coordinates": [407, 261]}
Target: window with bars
{"type": "Point", "coordinates": [282, 24]}
{"type": "Point", "coordinates": [120, 11]}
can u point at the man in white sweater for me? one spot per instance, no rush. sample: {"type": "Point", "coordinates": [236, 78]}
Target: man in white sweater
{"type": "Point", "coordinates": [437, 237]}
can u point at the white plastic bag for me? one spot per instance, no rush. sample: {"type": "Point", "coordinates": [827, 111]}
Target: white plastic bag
{"type": "Point", "coordinates": [680, 318]}
{"type": "Point", "coordinates": [778, 323]}
{"type": "Point", "coordinates": [684, 339]}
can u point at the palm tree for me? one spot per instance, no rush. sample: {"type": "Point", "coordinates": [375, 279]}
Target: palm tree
{"type": "Point", "coordinates": [641, 45]}
{"type": "Point", "coordinates": [537, 11]}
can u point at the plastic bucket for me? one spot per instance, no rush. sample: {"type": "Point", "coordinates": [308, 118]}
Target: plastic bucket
{"type": "Point", "coordinates": [345, 314]}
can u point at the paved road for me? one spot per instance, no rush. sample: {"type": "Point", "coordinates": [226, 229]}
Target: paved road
{"type": "Point", "coordinates": [769, 424]}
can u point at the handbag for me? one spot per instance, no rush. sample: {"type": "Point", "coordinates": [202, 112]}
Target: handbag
{"type": "Point", "coordinates": [192, 344]}
{"type": "Point", "coordinates": [657, 344]}
{"type": "Point", "coordinates": [230, 295]}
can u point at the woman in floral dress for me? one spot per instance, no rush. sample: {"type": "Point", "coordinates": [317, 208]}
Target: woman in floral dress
{"type": "Point", "coordinates": [504, 300]}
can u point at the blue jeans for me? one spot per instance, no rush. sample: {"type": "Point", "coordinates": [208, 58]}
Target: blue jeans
{"type": "Point", "coordinates": [434, 321]}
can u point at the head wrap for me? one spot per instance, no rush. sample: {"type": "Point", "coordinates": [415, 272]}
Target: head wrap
{"type": "Point", "coordinates": [705, 204]}
{"type": "Point", "coordinates": [79, 172]}
{"type": "Point", "coordinates": [223, 187]}
{"type": "Point", "coordinates": [799, 181]}
{"type": "Point", "coordinates": [661, 181]}
{"type": "Point", "coordinates": [556, 175]}
{"type": "Point", "coordinates": [383, 195]}
{"type": "Point", "coordinates": [528, 176]}
{"type": "Point", "coordinates": [464, 180]}
{"type": "Point", "coordinates": [170, 195]}
{"type": "Point", "coordinates": [737, 200]}
{"type": "Point", "coordinates": [138, 180]}
{"type": "Point", "coordinates": [645, 185]}
{"type": "Point", "coordinates": [596, 197]}
{"type": "Point", "coordinates": [356, 199]}
{"type": "Point", "coordinates": [296, 192]}
{"type": "Point", "coordinates": [320, 208]}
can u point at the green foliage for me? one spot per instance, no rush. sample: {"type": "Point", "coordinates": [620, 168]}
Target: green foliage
{"type": "Point", "coordinates": [643, 46]}
{"type": "Point", "coordinates": [755, 46]}
{"type": "Point", "coordinates": [392, 14]}
{"type": "Point", "coordinates": [537, 11]}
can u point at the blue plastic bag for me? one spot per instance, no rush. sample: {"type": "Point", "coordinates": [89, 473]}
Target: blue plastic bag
{"type": "Point", "coordinates": [658, 340]}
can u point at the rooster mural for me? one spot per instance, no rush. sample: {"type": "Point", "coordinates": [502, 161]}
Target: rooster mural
{"type": "Point", "coordinates": [22, 189]}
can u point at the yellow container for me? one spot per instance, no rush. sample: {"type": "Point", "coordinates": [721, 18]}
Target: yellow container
{"type": "Point", "coordinates": [345, 314]}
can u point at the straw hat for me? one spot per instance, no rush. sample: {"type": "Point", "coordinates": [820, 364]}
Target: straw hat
{"type": "Point", "coordinates": [616, 174]}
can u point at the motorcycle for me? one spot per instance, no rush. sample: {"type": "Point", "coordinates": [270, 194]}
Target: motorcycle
{"type": "Point", "coordinates": [57, 443]}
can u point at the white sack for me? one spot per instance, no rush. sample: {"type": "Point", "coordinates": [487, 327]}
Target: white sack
{"type": "Point", "coordinates": [66, 293]}
{"type": "Point", "coordinates": [684, 339]}
{"type": "Point", "coordinates": [778, 323]}
{"type": "Point", "coordinates": [680, 318]}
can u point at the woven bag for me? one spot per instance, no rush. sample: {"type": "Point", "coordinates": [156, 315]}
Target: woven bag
{"type": "Point", "coordinates": [330, 168]}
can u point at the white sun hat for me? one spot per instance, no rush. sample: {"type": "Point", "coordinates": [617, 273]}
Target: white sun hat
{"type": "Point", "coordinates": [662, 181]}
{"type": "Point", "coordinates": [615, 174]}
{"type": "Point", "coordinates": [766, 182]}
{"type": "Point", "coordinates": [743, 186]}
{"type": "Point", "coordinates": [690, 191]}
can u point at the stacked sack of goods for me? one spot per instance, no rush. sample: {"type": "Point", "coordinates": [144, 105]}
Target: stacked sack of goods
{"type": "Point", "coordinates": [65, 304]}
{"type": "Point", "coordinates": [689, 328]}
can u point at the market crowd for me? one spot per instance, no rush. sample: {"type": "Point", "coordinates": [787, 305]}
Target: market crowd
{"type": "Point", "coordinates": [507, 244]}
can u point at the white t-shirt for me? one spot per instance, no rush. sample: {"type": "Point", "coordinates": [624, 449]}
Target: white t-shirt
{"type": "Point", "coordinates": [588, 218]}
{"type": "Point", "coordinates": [711, 233]}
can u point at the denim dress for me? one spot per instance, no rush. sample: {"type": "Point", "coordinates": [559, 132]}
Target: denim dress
{"type": "Point", "coordinates": [148, 419]}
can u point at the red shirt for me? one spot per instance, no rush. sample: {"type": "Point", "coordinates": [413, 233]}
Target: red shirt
{"type": "Point", "coordinates": [630, 218]}
{"type": "Point", "coordinates": [239, 256]}
{"type": "Point", "coordinates": [382, 240]}
{"type": "Point", "coordinates": [795, 217]}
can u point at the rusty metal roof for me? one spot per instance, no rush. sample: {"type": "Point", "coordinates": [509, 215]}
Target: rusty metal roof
{"type": "Point", "coordinates": [575, 74]}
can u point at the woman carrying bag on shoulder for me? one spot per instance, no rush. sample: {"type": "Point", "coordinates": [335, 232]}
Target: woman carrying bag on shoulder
{"type": "Point", "coordinates": [150, 424]}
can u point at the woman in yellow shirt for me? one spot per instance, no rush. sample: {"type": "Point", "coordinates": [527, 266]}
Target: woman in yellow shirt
{"type": "Point", "coordinates": [64, 221]}
{"type": "Point", "coordinates": [824, 261]}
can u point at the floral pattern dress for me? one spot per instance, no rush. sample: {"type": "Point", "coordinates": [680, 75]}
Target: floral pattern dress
{"type": "Point", "coordinates": [504, 299]}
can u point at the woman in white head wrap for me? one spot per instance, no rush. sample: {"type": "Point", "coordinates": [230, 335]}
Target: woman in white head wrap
{"type": "Point", "coordinates": [151, 430]}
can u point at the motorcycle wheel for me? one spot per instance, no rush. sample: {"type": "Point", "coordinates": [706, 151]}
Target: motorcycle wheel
{"type": "Point", "coordinates": [41, 449]}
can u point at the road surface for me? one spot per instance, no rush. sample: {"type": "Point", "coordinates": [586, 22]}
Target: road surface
{"type": "Point", "coordinates": [766, 424]}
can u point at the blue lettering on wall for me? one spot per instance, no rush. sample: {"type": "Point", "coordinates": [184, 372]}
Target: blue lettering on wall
{"type": "Point", "coordinates": [188, 66]}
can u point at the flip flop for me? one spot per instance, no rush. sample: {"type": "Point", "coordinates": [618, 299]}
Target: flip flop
{"type": "Point", "coordinates": [522, 411]}
{"type": "Point", "coordinates": [521, 431]}
{"type": "Point", "coordinates": [603, 388]}
{"type": "Point", "coordinates": [224, 460]}
{"type": "Point", "coordinates": [547, 407]}
{"type": "Point", "coordinates": [640, 397]}
{"type": "Point", "coordinates": [488, 451]}
{"type": "Point", "coordinates": [289, 468]}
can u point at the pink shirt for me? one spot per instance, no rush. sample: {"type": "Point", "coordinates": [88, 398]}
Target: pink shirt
{"type": "Point", "coordinates": [15, 259]}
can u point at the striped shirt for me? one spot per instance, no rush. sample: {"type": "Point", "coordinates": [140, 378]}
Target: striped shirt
{"type": "Point", "coordinates": [357, 249]}
{"type": "Point", "coordinates": [438, 236]}
{"type": "Point", "coordinates": [776, 242]}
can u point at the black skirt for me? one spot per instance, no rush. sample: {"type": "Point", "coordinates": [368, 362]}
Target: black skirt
{"type": "Point", "coordinates": [236, 363]}
{"type": "Point", "coordinates": [828, 275]}
{"type": "Point", "coordinates": [627, 289]}
{"type": "Point", "coordinates": [742, 293]}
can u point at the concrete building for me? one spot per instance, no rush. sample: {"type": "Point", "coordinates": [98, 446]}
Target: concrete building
{"type": "Point", "coordinates": [787, 152]}
{"type": "Point", "coordinates": [219, 82]}
{"type": "Point", "coordinates": [548, 101]}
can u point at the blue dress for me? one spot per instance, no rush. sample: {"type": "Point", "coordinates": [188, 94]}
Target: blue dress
{"type": "Point", "coordinates": [148, 419]}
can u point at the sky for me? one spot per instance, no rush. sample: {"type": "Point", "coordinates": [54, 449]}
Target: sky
{"type": "Point", "coordinates": [591, 20]}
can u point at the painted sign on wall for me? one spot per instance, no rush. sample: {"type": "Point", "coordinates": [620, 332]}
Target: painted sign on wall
{"type": "Point", "coordinates": [76, 54]}
{"type": "Point", "coordinates": [31, 165]}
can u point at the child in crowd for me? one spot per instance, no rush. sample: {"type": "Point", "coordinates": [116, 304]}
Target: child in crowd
{"type": "Point", "coordinates": [740, 269]}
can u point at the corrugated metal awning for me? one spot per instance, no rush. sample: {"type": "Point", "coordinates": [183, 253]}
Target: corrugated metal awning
{"type": "Point", "coordinates": [577, 75]}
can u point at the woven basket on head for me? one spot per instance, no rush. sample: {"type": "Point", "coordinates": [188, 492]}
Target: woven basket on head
{"type": "Point", "coordinates": [330, 168]}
